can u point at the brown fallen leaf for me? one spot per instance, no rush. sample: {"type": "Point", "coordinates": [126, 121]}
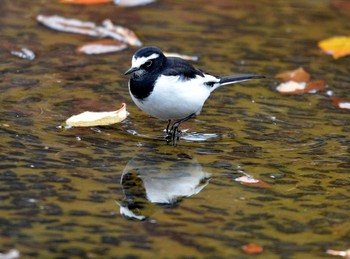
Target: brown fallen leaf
{"type": "Point", "coordinates": [252, 248]}
{"type": "Point", "coordinates": [88, 119]}
{"type": "Point", "coordinates": [86, 2]}
{"type": "Point", "coordinates": [298, 82]}
{"type": "Point", "coordinates": [101, 46]}
{"type": "Point", "coordinates": [298, 75]}
{"type": "Point", "coordinates": [339, 102]}
{"type": "Point", "coordinates": [336, 46]}
{"type": "Point", "coordinates": [345, 253]}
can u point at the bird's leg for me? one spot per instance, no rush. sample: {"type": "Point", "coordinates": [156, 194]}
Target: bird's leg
{"type": "Point", "coordinates": [167, 127]}
{"type": "Point", "coordinates": [175, 132]}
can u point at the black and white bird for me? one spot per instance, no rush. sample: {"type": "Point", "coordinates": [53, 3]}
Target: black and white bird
{"type": "Point", "coordinates": [170, 88]}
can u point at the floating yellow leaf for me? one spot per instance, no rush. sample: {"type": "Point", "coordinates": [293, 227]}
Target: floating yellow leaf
{"type": "Point", "coordinates": [337, 46]}
{"type": "Point", "coordinates": [88, 119]}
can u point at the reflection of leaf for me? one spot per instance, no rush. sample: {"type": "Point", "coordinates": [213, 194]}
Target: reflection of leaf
{"type": "Point", "coordinates": [85, 1]}
{"type": "Point", "coordinates": [87, 119]}
{"type": "Point", "coordinates": [252, 249]}
{"type": "Point", "coordinates": [101, 46]}
{"type": "Point", "coordinates": [336, 46]}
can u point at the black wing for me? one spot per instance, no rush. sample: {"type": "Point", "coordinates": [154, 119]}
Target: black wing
{"type": "Point", "coordinates": [179, 67]}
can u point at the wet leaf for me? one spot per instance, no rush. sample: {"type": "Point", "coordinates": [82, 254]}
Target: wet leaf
{"type": "Point", "coordinates": [85, 1]}
{"type": "Point", "coordinates": [177, 55]}
{"type": "Point", "coordinates": [345, 253]}
{"type": "Point", "coordinates": [130, 3]}
{"type": "Point", "coordinates": [250, 181]}
{"type": "Point", "coordinates": [87, 119]}
{"type": "Point", "coordinates": [336, 46]}
{"type": "Point", "coordinates": [299, 75]}
{"type": "Point", "coordinates": [101, 46]}
{"type": "Point", "coordinates": [252, 248]}
{"type": "Point", "coordinates": [119, 33]}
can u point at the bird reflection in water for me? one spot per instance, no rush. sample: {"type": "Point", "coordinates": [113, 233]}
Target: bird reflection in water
{"type": "Point", "coordinates": [154, 180]}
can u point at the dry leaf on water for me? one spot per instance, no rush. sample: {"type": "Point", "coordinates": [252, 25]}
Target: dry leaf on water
{"type": "Point", "coordinates": [88, 119]}
{"type": "Point", "coordinates": [298, 82]}
{"type": "Point", "coordinates": [336, 46]}
{"type": "Point", "coordinates": [101, 46]}
{"type": "Point", "coordinates": [252, 248]}
{"type": "Point", "coordinates": [252, 182]}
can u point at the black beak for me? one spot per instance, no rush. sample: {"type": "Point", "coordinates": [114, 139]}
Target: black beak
{"type": "Point", "coordinates": [131, 70]}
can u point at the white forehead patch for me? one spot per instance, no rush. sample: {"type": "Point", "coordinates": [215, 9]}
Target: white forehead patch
{"type": "Point", "coordinates": [137, 62]}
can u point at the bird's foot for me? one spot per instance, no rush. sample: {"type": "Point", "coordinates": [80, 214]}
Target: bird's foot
{"type": "Point", "coordinates": [173, 134]}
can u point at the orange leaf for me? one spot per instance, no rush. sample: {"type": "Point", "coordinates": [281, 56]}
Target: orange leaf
{"type": "Point", "coordinates": [85, 1]}
{"type": "Point", "coordinates": [336, 46]}
{"type": "Point", "coordinates": [299, 75]}
{"type": "Point", "coordinates": [252, 248]}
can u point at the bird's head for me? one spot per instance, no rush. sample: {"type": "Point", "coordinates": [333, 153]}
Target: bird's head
{"type": "Point", "coordinates": [145, 60]}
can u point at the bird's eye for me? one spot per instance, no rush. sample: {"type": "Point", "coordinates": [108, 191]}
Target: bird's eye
{"type": "Point", "coordinates": [148, 63]}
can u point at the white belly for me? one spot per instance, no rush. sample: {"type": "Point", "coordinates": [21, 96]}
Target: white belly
{"type": "Point", "coordinates": [173, 98]}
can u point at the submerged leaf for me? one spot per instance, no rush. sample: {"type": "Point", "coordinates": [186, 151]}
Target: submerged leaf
{"type": "Point", "coordinates": [101, 46]}
{"type": "Point", "coordinates": [87, 119]}
{"type": "Point", "coordinates": [336, 46]}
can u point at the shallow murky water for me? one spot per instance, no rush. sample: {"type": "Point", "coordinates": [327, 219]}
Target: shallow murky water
{"type": "Point", "coordinates": [121, 191]}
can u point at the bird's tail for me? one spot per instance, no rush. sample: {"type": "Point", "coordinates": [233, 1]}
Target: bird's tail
{"type": "Point", "coordinates": [238, 78]}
